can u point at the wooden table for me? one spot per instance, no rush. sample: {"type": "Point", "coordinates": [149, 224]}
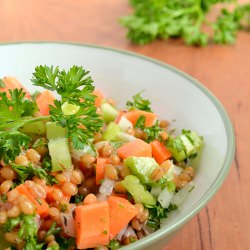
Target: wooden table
{"type": "Point", "coordinates": [224, 224]}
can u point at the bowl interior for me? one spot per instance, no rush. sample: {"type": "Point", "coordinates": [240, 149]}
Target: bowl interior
{"type": "Point", "coordinates": [174, 96]}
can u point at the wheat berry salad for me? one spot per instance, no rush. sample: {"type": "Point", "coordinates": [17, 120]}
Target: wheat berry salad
{"type": "Point", "coordinates": [77, 172]}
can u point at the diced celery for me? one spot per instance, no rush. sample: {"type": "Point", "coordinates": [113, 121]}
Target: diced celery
{"type": "Point", "coordinates": [142, 167]}
{"type": "Point", "coordinates": [60, 154]}
{"type": "Point", "coordinates": [58, 147]}
{"type": "Point", "coordinates": [111, 132]}
{"type": "Point", "coordinates": [109, 113]}
{"type": "Point", "coordinates": [189, 147]}
{"type": "Point", "coordinates": [37, 128]}
{"type": "Point", "coordinates": [54, 131]}
{"type": "Point", "coordinates": [138, 191]}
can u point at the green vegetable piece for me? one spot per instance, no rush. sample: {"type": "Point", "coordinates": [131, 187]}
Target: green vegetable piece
{"type": "Point", "coordinates": [111, 132]}
{"type": "Point", "coordinates": [55, 131]}
{"type": "Point", "coordinates": [109, 113]}
{"type": "Point", "coordinates": [162, 19]}
{"type": "Point", "coordinates": [74, 87]}
{"type": "Point", "coordinates": [60, 154]}
{"type": "Point", "coordinates": [189, 147]}
{"type": "Point", "coordinates": [186, 145]}
{"type": "Point", "coordinates": [70, 109]}
{"type": "Point", "coordinates": [142, 167]}
{"type": "Point", "coordinates": [138, 191]}
{"type": "Point", "coordinates": [58, 147]}
{"type": "Point", "coordinates": [138, 102]}
{"type": "Point", "coordinates": [37, 128]}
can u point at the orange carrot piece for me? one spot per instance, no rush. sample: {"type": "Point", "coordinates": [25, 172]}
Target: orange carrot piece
{"type": "Point", "coordinates": [50, 190]}
{"type": "Point", "coordinates": [135, 148]}
{"type": "Point", "coordinates": [12, 83]}
{"type": "Point", "coordinates": [121, 212]}
{"type": "Point", "coordinates": [133, 116]}
{"type": "Point", "coordinates": [99, 98]}
{"type": "Point", "coordinates": [92, 225]}
{"type": "Point", "coordinates": [160, 152]}
{"type": "Point", "coordinates": [43, 100]}
{"type": "Point", "coordinates": [41, 205]}
{"type": "Point", "coordinates": [99, 169]}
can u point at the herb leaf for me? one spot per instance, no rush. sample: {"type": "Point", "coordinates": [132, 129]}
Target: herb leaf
{"type": "Point", "coordinates": [74, 87]}
{"type": "Point", "coordinates": [153, 19]}
{"type": "Point", "coordinates": [151, 133]}
{"type": "Point", "coordinates": [14, 109]}
{"type": "Point", "coordinates": [139, 103]}
{"type": "Point", "coordinates": [156, 213]}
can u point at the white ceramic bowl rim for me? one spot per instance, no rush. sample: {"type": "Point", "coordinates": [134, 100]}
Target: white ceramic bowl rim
{"type": "Point", "coordinates": [157, 236]}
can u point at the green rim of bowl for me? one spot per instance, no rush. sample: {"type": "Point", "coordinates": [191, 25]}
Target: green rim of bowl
{"type": "Point", "coordinates": [161, 233]}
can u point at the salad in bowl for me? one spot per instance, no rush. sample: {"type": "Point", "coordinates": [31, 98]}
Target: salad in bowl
{"type": "Point", "coordinates": [77, 172]}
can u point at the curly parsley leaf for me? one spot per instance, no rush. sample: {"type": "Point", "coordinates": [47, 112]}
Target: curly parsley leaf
{"type": "Point", "coordinates": [138, 102]}
{"type": "Point", "coordinates": [140, 123]}
{"type": "Point", "coordinates": [27, 172]}
{"type": "Point", "coordinates": [151, 133]}
{"type": "Point", "coordinates": [65, 243]}
{"type": "Point", "coordinates": [13, 106]}
{"type": "Point", "coordinates": [156, 213]}
{"type": "Point", "coordinates": [11, 143]}
{"type": "Point", "coordinates": [114, 244]}
{"type": "Point", "coordinates": [14, 109]}
{"type": "Point", "coordinates": [75, 87]}
{"type": "Point", "coordinates": [53, 230]}
{"type": "Point", "coordinates": [11, 224]}
{"type": "Point", "coordinates": [153, 19]}
{"type": "Point", "coordinates": [27, 230]}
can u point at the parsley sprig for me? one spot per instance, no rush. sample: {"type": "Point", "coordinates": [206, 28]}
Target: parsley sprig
{"type": "Point", "coordinates": [151, 133]}
{"type": "Point", "coordinates": [74, 87]}
{"type": "Point", "coordinates": [156, 213]}
{"type": "Point", "coordinates": [28, 230]}
{"type": "Point", "coordinates": [163, 19]}
{"type": "Point", "coordinates": [27, 172]}
{"type": "Point", "coordinates": [138, 102]}
{"type": "Point", "coordinates": [15, 111]}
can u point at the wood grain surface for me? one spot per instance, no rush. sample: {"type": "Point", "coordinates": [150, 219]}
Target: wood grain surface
{"type": "Point", "coordinates": [224, 224]}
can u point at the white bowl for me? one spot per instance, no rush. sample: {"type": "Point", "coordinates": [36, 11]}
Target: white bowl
{"type": "Point", "coordinates": [174, 95]}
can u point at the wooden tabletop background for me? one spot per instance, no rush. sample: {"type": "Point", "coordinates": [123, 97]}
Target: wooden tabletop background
{"type": "Point", "coordinates": [224, 224]}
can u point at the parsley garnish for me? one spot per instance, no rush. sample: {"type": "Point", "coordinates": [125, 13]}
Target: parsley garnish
{"type": "Point", "coordinates": [156, 213]}
{"type": "Point", "coordinates": [53, 230]}
{"type": "Point", "coordinates": [79, 198]}
{"type": "Point", "coordinates": [154, 19]}
{"type": "Point", "coordinates": [139, 103]}
{"type": "Point", "coordinates": [152, 133]}
{"type": "Point", "coordinates": [114, 244]}
{"type": "Point", "coordinates": [74, 87]}
{"type": "Point", "coordinates": [27, 231]}
{"type": "Point", "coordinates": [63, 207]}
{"type": "Point", "coordinates": [27, 172]}
{"type": "Point", "coordinates": [140, 123]}
{"type": "Point", "coordinates": [65, 243]}
{"type": "Point", "coordinates": [14, 112]}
